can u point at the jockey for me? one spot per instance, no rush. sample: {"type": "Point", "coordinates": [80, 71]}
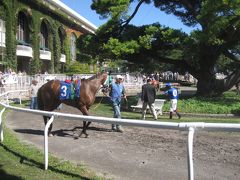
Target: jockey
{"type": "Point", "coordinates": [173, 95]}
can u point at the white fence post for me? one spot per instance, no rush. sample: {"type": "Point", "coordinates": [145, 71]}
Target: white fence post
{"type": "Point", "coordinates": [20, 98]}
{"type": "Point", "coordinates": [190, 153]}
{"type": "Point", "coordinates": [7, 100]}
{"type": "Point", "coordinates": [1, 124]}
{"type": "Point", "coordinates": [46, 141]}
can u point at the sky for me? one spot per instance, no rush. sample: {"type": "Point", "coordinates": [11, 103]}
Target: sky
{"type": "Point", "coordinates": [147, 14]}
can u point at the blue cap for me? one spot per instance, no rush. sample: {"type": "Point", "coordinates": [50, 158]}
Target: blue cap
{"type": "Point", "coordinates": [168, 84]}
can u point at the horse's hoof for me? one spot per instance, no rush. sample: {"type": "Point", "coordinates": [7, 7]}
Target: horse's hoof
{"type": "Point", "coordinates": [50, 134]}
{"type": "Point", "coordinates": [75, 138]}
{"type": "Point", "coordinates": [86, 135]}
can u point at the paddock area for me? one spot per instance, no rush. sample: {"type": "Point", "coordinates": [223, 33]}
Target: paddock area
{"type": "Point", "coordinates": [138, 153]}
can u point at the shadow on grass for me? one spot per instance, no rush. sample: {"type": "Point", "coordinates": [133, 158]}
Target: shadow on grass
{"type": "Point", "coordinates": [4, 175]}
{"type": "Point", "coordinates": [31, 162]}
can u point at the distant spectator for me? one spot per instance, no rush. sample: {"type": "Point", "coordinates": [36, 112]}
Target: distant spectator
{"type": "Point", "coordinates": [109, 78]}
{"type": "Point", "coordinates": [1, 82]}
{"type": "Point", "coordinates": [20, 73]}
{"type": "Point", "coordinates": [33, 94]}
{"type": "Point", "coordinates": [238, 88]}
{"type": "Point", "coordinates": [127, 77]}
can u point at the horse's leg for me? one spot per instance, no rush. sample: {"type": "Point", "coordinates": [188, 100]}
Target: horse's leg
{"type": "Point", "coordinates": [85, 112]}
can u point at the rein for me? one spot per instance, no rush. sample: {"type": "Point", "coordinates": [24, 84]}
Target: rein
{"type": "Point", "coordinates": [98, 103]}
{"type": "Point", "coordinates": [104, 88]}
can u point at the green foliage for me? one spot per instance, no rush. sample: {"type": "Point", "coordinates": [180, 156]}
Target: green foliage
{"type": "Point", "coordinates": [198, 53]}
{"type": "Point", "coordinates": [10, 57]}
{"type": "Point", "coordinates": [37, 11]}
{"type": "Point", "coordinates": [57, 49]}
{"type": "Point", "coordinates": [113, 8]}
{"type": "Point", "coordinates": [78, 68]}
{"type": "Point", "coordinates": [118, 48]}
{"type": "Point", "coordinates": [228, 103]}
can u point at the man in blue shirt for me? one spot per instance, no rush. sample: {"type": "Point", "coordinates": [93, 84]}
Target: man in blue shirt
{"type": "Point", "coordinates": [173, 95]}
{"type": "Point", "coordinates": [117, 92]}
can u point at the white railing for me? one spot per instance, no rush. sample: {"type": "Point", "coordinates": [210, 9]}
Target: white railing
{"type": "Point", "coordinates": [46, 55]}
{"type": "Point", "coordinates": [25, 51]}
{"type": "Point", "coordinates": [63, 58]}
{"type": "Point", "coordinates": [185, 126]}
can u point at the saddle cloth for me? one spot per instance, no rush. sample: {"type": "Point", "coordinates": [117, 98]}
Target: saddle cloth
{"type": "Point", "coordinates": [69, 90]}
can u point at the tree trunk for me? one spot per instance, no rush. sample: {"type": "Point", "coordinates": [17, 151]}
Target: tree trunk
{"type": "Point", "coordinates": [208, 85]}
{"type": "Point", "coordinates": [205, 84]}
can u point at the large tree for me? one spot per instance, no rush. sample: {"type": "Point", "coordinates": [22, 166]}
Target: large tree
{"type": "Point", "coordinates": [214, 44]}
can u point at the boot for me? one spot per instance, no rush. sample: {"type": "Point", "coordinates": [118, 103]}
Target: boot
{"type": "Point", "coordinates": [179, 116]}
{"type": "Point", "coordinates": [170, 115]}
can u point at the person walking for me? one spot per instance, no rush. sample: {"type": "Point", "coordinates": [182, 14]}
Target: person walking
{"type": "Point", "coordinates": [173, 95]}
{"type": "Point", "coordinates": [237, 88]}
{"type": "Point", "coordinates": [116, 93]}
{"type": "Point", "coordinates": [148, 98]}
{"type": "Point", "coordinates": [109, 78]}
{"type": "Point", "coordinates": [33, 94]}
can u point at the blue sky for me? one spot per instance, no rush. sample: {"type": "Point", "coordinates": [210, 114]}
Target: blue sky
{"type": "Point", "coordinates": [147, 14]}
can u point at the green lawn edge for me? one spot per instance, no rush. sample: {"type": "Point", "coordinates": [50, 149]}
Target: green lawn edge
{"type": "Point", "coordinates": [20, 160]}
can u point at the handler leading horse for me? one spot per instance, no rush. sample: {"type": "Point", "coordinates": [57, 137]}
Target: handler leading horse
{"type": "Point", "coordinates": [49, 97]}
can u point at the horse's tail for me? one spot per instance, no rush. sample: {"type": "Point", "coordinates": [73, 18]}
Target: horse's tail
{"type": "Point", "coordinates": [39, 99]}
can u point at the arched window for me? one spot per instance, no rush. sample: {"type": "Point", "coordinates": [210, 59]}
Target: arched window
{"type": "Point", "coordinates": [44, 37]}
{"type": "Point", "coordinates": [22, 29]}
{"type": "Point", "coordinates": [73, 46]}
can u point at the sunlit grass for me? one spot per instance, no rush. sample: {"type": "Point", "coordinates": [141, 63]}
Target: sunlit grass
{"type": "Point", "coordinates": [21, 161]}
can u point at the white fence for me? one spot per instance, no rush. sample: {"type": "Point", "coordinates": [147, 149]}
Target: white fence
{"type": "Point", "coordinates": [16, 82]}
{"type": "Point", "coordinates": [186, 126]}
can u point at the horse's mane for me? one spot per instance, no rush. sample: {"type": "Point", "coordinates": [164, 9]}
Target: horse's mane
{"type": "Point", "coordinates": [95, 76]}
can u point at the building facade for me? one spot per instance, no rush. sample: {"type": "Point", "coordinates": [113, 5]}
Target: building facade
{"type": "Point", "coordinates": [39, 35]}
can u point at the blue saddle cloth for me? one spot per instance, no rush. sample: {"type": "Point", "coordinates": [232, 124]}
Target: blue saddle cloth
{"type": "Point", "coordinates": [69, 90]}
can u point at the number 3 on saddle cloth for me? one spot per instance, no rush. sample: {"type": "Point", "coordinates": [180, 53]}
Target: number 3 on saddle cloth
{"type": "Point", "coordinates": [69, 90]}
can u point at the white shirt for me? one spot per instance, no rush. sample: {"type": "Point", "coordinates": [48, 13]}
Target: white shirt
{"type": "Point", "coordinates": [33, 90]}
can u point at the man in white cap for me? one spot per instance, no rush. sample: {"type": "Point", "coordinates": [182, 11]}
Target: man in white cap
{"type": "Point", "coordinates": [117, 92]}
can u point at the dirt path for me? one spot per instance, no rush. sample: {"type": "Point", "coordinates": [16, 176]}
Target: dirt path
{"type": "Point", "coordinates": [138, 153]}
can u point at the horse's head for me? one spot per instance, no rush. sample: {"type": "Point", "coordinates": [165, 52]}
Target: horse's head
{"type": "Point", "coordinates": [103, 76]}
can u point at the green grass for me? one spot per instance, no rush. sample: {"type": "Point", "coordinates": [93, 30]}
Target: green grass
{"type": "Point", "coordinates": [228, 103]}
{"type": "Point", "coordinates": [22, 161]}
{"type": "Point", "coordinates": [105, 110]}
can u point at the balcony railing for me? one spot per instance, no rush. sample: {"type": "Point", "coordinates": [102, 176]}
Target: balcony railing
{"type": "Point", "coordinates": [45, 55]}
{"type": "Point", "coordinates": [63, 58]}
{"type": "Point", "coordinates": [23, 50]}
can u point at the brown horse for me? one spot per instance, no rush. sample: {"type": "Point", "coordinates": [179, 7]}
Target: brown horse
{"type": "Point", "coordinates": [49, 97]}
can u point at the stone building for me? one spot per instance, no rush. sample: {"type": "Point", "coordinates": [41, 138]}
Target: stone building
{"type": "Point", "coordinates": [39, 35]}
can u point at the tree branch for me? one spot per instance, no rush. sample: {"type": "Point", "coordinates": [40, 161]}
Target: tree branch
{"type": "Point", "coordinates": [232, 56]}
{"type": "Point", "coordinates": [189, 7]}
{"type": "Point", "coordinates": [125, 23]}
